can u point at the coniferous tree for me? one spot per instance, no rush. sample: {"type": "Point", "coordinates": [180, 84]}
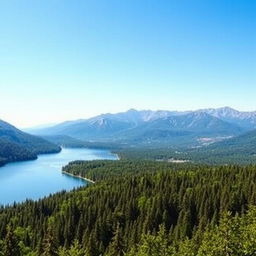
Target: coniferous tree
{"type": "Point", "coordinates": [50, 247]}
{"type": "Point", "coordinates": [116, 247]}
{"type": "Point", "coordinates": [11, 243]}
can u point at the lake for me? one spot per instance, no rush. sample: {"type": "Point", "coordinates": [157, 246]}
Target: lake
{"type": "Point", "coordinates": [38, 178]}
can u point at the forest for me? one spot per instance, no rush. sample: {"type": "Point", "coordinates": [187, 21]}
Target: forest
{"type": "Point", "coordinates": [140, 208]}
{"type": "Point", "coordinates": [11, 152]}
{"type": "Point", "coordinates": [17, 145]}
{"type": "Point", "coordinates": [215, 154]}
{"type": "Point", "coordinates": [163, 89]}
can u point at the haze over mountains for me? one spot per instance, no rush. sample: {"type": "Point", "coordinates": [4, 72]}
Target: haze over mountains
{"type": "Point", "coordinates": [149, 127]}
{"type": "Point", "coordinates": [246, 120]}
{"type": "Point", "coordinates": [228, 132]}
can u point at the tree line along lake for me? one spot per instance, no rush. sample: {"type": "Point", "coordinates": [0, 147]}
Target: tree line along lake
{"type": "Point", "coordinates": [38, 178]}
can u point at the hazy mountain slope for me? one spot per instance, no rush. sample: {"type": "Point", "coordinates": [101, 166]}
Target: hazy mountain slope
{"type": "Point", "coordinates": [70, 142]}
{"type": "Point", "coordinates": [30, 142]}
{"type": "Point", "coordinates": [237, 150]}
{"type": "Point", "coordinates": [88, 129]}
{"type": "Point", "coordinates": [135, 127]}
{"type": "Point", "coordinates": [179, 129]}
{"type": "Point", "coordinates": [244, 143]}
{"type": "Point", "coordinates": [195, 122]}
{"type": "Point", "coordinates": [16, 145]}
{"type": "Point", "coordinates": [65, 141]}
{"type": "Point", "coordinates": [103, 124]}
{"type": "Point", "coordinates": [10, 152]}
{"type": "Point", "coordinates": [137, 117]}
{"type": "Point", "coordinates": [246, 120]}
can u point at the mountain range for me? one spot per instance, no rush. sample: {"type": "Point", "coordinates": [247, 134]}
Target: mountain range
{"type": "Point", "coordinates": [246, 120]}
{"type": "Point", "coordinates": [226, 132]}
{"type": "Point", "coordinates": [162, 127]}
{"type": "Point", "coordinates": [16, 145]}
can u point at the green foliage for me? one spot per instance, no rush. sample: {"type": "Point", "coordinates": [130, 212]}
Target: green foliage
{"type": "Point", "coordinates": [142, 208]}
{"type": "Point", "coordinates": [50, 246]}
{"type": "Point", "coordinates": [16, 145]}
{"type": "Point", "coordinates": [116, 248]}
{"type": "Point", "coordinates": [74, 250]}
{"type": "Point", "coordinates": [234, 236]}
{"type": "Point", "coordinates": [107, 169]}
{"type": "Point", "coordinates": [237, 150]}
{"type": "Point", "coordinates": [11, 243]}
{"type": "Point", "coordinates": [10, 152]}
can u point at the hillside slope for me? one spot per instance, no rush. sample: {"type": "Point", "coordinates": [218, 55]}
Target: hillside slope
{"type": "Point", "coordinates": [180, 129]}
{"type": "Point", "coordinates": [16, 145]}
{"type": "Point", "coordinates": [244, 119]}
{"type": "Point", "coordinates": [237, 150]}
{"type": "Point", "coordinates": [146, 127]}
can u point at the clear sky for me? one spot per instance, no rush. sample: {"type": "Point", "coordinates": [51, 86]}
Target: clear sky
{"type": "Point", "coordinates": [69, 59]}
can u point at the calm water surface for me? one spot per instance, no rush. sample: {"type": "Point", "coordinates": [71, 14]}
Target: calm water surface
{"type": "Point", "coordinates": [36, 179]}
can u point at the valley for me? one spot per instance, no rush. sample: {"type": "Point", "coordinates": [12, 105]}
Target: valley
{"type": "Point", "coordinates": [210, 136]}
{"type": "Point", "coordinates": [127, 128]}
{"type": "Point", "coordinates": [146, 127]}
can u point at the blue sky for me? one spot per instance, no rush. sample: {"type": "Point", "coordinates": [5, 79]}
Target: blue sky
{"type": "Point", "coordinates": [62, 59]}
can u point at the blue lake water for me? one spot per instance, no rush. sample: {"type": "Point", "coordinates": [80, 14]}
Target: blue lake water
{"type": "Point", "coordinates": [38, 178]}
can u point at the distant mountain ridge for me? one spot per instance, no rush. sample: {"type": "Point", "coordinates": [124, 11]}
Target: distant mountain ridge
{"type": "Point", "coordinates": [244, 119]}
{"type": "Point", "coordinates": [161, 126]}
{"type": "Point", "coordinates": [16, 145]}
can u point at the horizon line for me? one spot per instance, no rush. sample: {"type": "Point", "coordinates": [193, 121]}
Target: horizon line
{"type": "Point", "coordinates": [133, 109]}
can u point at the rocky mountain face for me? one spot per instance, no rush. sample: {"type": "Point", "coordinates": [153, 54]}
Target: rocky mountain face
{"type": "Point", "coordinates": [246, 120]}
{"type": "Point", "coordinates": [149, 127]}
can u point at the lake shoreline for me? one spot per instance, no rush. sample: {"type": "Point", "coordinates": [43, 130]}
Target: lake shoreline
{"type": "Point", "coordinates": [78, 176]}
{"type": "Point", "coordinates": [35, 179]}
{"type": "Point", "coordinates": [2, 164]}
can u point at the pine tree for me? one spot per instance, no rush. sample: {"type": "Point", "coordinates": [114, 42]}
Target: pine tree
{"type": "Point", "coordinates": [49, 243]}
{"type": "Point", "coordinates": [92, 248]}
{"type": "Point", "coordinates": [75, 250]}
{"type": "Point", "coordinates": [10, 246]}
{"type": "Point", "coordinates": [116, 247]}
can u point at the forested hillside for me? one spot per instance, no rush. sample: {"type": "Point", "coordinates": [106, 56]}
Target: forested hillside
{"type": "Point", "coordinates": [70, 142]}
{"type": "Point", "coordinates": [16, 145]}
{"type": "Point", "coordinates": [237, 150]}
{"type": "Point", "coordinates": [11, 152]}
{"type": "Point", "coordinates": [142, 208]}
